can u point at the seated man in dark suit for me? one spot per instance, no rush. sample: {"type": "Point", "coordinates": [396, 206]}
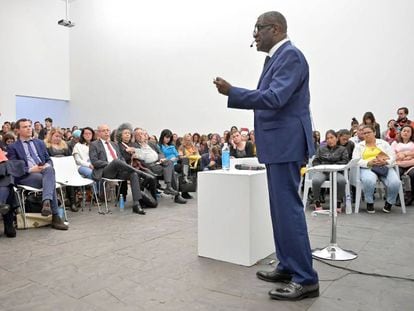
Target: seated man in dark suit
{"type": "Point", "coordinates": [152, 158]}
{"type": "Point", "coordinates": [108, 162]}
{"type": "Point", "coordinates": [39, 169]}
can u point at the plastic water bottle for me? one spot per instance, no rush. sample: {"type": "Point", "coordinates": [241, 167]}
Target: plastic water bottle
{"type": "Point", "coordinates": [225, 157]}
{"type": "Point", "coordinates": [121, 203]}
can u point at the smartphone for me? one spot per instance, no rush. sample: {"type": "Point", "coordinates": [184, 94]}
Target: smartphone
{"type": "Point", "coordinates": [41, 164]}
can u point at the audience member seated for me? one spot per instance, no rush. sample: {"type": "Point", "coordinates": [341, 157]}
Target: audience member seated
{"type": "Point", "coordinates": [215, 141]}
{"type": "Point", "coordinates": [196, 140]}
{"type": "Point", "coordinates": [39, 172]}
{"type": "Point", "coordinates": [189, 151]}
{"type": "Point", "coordinates": [225, 138]}
{"type": "Point", "coordinates": [344, 140]}
{"type": "Point", "coordinates": [316, 139]}
{"type": "Point", "coordinates": [152, 158]}
{"type": "Point", "coordinates": [81, 152]}
{"type": "Point", "coordinates": [108, 162]}
{"type": "Point", "coordinates": [356, 139]}
{"type": "Point", "coordinates": [181, 165]}
{"type": "Point", "coordinates": [354, 127]}
{"type": "Point", "coordinates": [75, 139]}
{"type": "Point", "coordinates": [252, 139]}
{"type": "Point", "coordinates": [203, 148]}
{"type": "Point", "coordinates": [376, 158]}
{"type": "Point", "coordinates": [57, 147]}
{"type": "Point", "coordinates": [332, 153]}
{"type": "Point", "coordinates": [240, 148]}
{"type": "Point", "coordinates": [8, 139]}
{"type": "Point", "coordinates": [211, 160]}
{"type": "Point", "coordinates": [402, 118]}
{"type": "Point", "coordinates": [45, 130]}
{"type": "Point", "coordinates": [5, 128]}
{"type": "Point", "coordinates": [67, 135]}
{"type": "Point", "coordinates": [404, 151]}
{"type": "Point", "coordinates": [127, 149]}
{"type": "Point", "coordinates": [390, 134]}
{"type": "Point", "coordinates": [8, 170]}
{"type": "Point", "coordinates": [369, 119]}
{"type": "Point", "coordinates": [37, 129]}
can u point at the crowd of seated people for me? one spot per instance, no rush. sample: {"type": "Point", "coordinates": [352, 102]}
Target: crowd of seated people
{"type": "Point", "coordinates": [172, 155]}
{"type": "Point", "coordinates": [377, 157]}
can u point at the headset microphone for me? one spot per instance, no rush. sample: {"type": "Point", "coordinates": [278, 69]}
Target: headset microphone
{"type": "Point", "coordinates": [251, 45]}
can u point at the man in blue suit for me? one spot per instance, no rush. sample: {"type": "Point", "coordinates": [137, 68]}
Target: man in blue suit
{"type": "Point", "coordinates": [283, 141]}
{"type": "Point", "coordinates": [39, 172]}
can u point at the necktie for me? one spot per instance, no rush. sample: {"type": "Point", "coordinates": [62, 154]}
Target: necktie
{"type": "Point", "coordinates": [266, 60]}
{"type": "Point", "coordinates": [111, 150]}
{"type": "Point", "coordinates": [33, 153]}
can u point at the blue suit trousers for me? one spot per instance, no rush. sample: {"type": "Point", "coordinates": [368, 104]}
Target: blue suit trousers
{"type": "Point", "coordinates": [289, 223]}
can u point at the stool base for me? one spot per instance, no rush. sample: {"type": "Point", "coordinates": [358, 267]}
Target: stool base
{"type": "Point", "coordinates": [334, 252]}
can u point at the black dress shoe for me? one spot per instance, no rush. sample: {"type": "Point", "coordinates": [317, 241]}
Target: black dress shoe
{"type": "Point", "coordinates": [9, 229]}
{"type": "Point", "coordinates": [136, 208]}
{"type": "Point", "coordinates": [274, 276]}
{"type": "Point", "coordinates": [186, 195]}
{"type": "Point", "coordinates": [58, 224]}
{"type": "Point", "coordinates": [294, 291]}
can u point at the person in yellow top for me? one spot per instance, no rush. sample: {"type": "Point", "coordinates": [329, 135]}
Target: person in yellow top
{"type": "Point", "coordinates": [376, 158]}
{"type": "Point", "coordinates": [190, 151]}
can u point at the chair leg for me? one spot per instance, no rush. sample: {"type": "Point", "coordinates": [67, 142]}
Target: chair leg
{"type": "Point", "coordinates": [20, 198]}
{"type": "Point", "coordinates": [106, 200]}
{"type": "Point", "coordinates": [96, 198]}
{"type": "Point", "coordinates": [305, 195]}
{"type": "Point", "coordinates": [402, 199]}
{"type": "Point", "coordinates": [358, 197]}
{"type": "Point", "coordinates": [63, 205]}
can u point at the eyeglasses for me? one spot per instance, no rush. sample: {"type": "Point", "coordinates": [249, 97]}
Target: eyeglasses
{"type": "Point", "coordinates": [366, 133]}
{"type": "Point", "coordinates": [258, 28]}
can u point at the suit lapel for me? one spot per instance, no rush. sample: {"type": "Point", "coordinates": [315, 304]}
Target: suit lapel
{"type": "Point", "coordinates": [22, 153]}
{"type": "Point", "coordinates": [269, 64]}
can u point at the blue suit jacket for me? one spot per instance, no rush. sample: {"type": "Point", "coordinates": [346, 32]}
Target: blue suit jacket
{"type": "Point", "coordinates": [282, 121]}
{"type": "Point", "coordinates": [16, 152]}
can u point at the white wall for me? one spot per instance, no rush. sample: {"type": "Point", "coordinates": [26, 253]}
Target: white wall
{"type": "Point", "coordinates": [34, 53]}
{"type": "Point", "coordinates": [152, 63]}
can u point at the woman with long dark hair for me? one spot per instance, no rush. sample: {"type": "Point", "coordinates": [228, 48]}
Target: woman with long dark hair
{"type": "Point", "coordinates": [369, 119]}
{"type": "Point", "coordinates": [181, 164]}
{"type": "Point", "coordinates": [331, 153]}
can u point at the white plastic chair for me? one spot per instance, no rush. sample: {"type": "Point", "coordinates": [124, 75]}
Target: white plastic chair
{"type": "Point", "coordinates": [355, 180]}
{"type": "Point", "coordinates": [67, 174]}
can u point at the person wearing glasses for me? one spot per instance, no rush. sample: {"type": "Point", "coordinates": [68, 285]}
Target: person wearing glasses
{"type": "Point", "coordinates": [283, 131]}
{"type": "Point", "coordinates": [376, 159]}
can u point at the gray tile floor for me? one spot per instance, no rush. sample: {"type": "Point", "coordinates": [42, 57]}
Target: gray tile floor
{"type": "Point", "coordinates": [125, 261]}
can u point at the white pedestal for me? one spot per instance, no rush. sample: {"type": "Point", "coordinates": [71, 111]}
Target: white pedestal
{"type": "Point", "coordinates": [234, 223]}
